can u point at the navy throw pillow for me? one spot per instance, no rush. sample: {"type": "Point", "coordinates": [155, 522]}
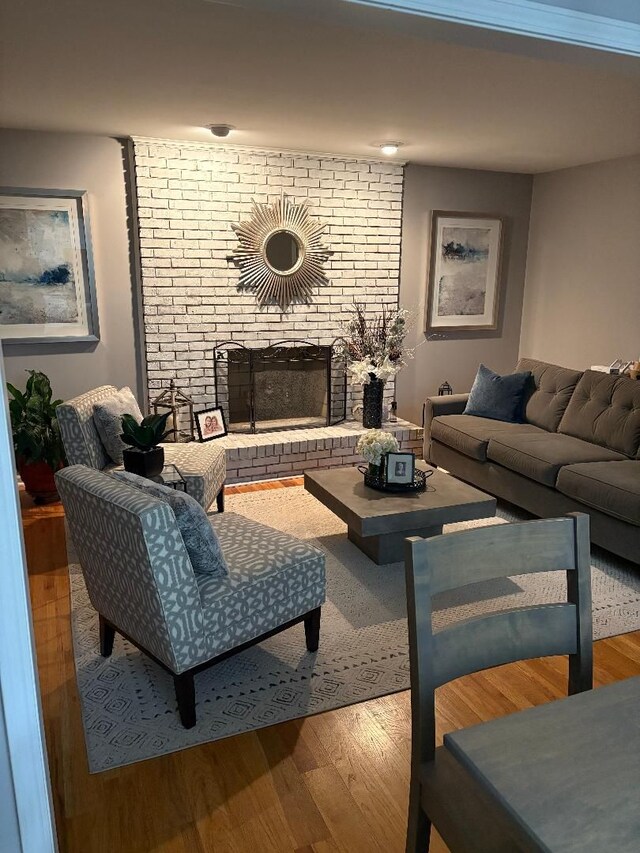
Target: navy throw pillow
{"type": "Point", "coordinates": [498, 397]}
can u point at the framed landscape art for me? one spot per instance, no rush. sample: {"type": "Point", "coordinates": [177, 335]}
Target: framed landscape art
{"type": "Point", "coordinates": [47, 292]}
{"type": "Point", "coordinates": [464, 271]}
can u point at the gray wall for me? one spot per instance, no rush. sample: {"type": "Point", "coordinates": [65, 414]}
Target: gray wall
{"type": "Point", "coordinates": [92, 163]}
{"type": "Point", "coordinates": [582, 296]}
{"type": "Point", "coordinates": [456, 356]}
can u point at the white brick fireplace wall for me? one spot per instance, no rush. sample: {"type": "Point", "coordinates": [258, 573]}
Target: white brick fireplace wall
{"type": "Point", "coordinates": [189, 195]}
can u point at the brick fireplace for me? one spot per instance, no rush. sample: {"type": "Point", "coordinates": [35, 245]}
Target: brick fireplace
{"type": "Point", "coordinates": [188, 197]}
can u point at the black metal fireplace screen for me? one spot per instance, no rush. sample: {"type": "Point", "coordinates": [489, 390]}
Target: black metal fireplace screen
{"type": "Point", "coordinates": [287, 385]}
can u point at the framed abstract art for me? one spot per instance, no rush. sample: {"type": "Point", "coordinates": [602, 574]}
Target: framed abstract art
{"type": "Point", "coordinates": [47, 290]}
{"type": "Point", "coordinates": [464, 271]}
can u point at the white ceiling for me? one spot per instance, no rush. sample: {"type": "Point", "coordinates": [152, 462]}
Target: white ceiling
{"type": "Point", "coordinates": [167, 67]}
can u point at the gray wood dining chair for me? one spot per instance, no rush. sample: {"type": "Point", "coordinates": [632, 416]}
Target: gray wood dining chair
{"type": "Point", "coordinates": [440, 563]}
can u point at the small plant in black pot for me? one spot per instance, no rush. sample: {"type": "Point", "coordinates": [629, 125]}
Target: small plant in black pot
{"type": "Point", "coordinates": [143, 456]}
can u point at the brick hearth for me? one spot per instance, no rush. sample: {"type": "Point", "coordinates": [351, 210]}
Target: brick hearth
{"type": "Point", "coordinates": [270, 455]}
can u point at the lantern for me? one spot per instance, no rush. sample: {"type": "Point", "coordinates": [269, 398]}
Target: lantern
{"type": "Point", "coordinates": [445, 389]}
{"type": "Point", "coordinates": [177, 402]}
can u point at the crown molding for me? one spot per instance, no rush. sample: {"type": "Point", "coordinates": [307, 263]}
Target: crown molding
{"type": "Point", "coordinates": [526, 18]}
{"type": "Point", "coordinates": [255, 149]}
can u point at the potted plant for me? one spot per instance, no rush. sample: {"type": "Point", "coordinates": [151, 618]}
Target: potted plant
{"type": "Point", "coordinates": [373, 446]}
{"type": "Point", "coordinates": [374, 351]}
{"type": "Point", "coordinates": [36, 436]}
{"type": "Point", "coordinates": [143, 456]}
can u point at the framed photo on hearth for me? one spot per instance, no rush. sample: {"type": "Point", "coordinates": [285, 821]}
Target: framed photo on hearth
{"type": "Point", "coordinates": [210, 424]}
{"type": "Point", "coordinates": [464, 272]}
{"type": "Point", "coordinates": [47, 288]}
{"type": "Point", "coordinates": [400, 468]}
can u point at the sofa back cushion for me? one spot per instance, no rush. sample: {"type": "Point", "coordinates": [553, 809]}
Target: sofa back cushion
{"type": "Point", "coordinates": [549, 392]}
{"type": "Point", "coordinates": [605, 410]}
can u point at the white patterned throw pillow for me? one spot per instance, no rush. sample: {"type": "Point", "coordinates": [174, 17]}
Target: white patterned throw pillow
{"type": "Point", "coordinates": [195, 528]}
{"type": "Point", "coordinates": [107, 416]}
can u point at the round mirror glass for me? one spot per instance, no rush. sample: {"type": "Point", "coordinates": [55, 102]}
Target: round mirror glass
{"type": "Point", "coordinates": [282, 251]}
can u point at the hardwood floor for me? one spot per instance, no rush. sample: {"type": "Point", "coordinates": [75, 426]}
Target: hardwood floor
{"type": "Point", "coordinates": [334, 782]}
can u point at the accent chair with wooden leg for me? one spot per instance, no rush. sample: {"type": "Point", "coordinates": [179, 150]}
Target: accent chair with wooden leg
{"type": "Point", "coordinates": [439, 793]}
{"type": "Point", "coordinates": [141, 579]}
{"type": "Point", "coordinates": [202, 465]}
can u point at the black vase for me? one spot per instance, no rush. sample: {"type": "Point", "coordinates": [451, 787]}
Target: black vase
{"type": "Point", "coordinates": [372, 404]}
{"type": "Point", "coordinates": [144, 463]}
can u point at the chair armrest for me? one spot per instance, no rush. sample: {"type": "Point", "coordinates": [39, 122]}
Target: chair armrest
{"type": "Point", "coordinates": [448, 404]}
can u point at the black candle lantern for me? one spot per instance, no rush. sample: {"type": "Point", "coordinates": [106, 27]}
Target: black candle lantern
{"type": "Point", "coordinates": [445, 389]}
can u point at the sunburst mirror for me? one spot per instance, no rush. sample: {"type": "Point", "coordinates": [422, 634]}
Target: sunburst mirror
{"type": "Point", "coordinates": [280, 253]}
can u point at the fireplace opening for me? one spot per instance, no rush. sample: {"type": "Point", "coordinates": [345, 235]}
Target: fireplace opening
{"type": "Point", "coordinates": [288, 385]}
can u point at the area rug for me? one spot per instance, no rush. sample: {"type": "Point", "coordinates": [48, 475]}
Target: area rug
{"type": "Point", "coordinates": [128, 704]}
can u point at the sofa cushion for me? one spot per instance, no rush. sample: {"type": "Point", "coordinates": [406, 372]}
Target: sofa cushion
{"type": "Point", "coordinates": [470, 434]}
{"type": "Point", "coordinates": [540, 456]}
{"type": "Point", "coordinates": [497, 397]}
{"type": "Point", "coordinates": [549, 391]}
{"type": "Point", "coordinates": [107, 415]}
{"type": "Point", "coordinates": [273, 577]}
{"type": "Point", "coordinates": [195, 528]}
{"type": "Point", "coordinates": [611, 487]}
{"type": "Point", "coordinates": [605, 409]}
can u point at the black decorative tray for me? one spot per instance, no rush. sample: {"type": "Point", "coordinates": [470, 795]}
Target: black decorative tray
{"type": "Point", "coordinates": [377, 482]}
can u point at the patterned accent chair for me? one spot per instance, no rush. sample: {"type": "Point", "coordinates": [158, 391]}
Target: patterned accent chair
{"type": "Point", "coordinates": [141, 581]}
{"type": "Point", "coordinates": [203, 466]}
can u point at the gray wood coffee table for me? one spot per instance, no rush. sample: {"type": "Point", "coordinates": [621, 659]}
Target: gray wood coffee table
{"type": "Point", "coordinates": [379, 522]}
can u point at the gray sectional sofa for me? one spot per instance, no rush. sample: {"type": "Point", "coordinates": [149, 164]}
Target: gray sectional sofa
{"type": "Point", "coordinates": [578, 450]}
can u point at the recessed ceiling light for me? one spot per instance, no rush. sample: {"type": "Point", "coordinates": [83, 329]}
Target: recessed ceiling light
{"type": "Point", "coordinates": [390, 148]}
{"type": "Point", "coordinates": [221, 130]}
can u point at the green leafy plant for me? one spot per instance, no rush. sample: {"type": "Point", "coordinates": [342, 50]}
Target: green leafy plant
{"type": "Point", "coordinates": [147, 434]}
{"type": "Point", "coordinates": [36, 433]}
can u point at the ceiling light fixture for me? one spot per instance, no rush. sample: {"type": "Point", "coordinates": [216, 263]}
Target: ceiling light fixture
{"type": "Point", "coordinates": [221, 130]}
{"type": "Point", "coordinates": [390, 148]}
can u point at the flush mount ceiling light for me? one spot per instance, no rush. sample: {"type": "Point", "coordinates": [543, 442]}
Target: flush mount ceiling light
{"type": "Point", "coordinates": [221, 130]}
{"type": "Point", "coordinates": [390, 148]}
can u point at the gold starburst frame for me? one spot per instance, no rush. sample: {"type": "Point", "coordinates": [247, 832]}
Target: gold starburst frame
{"type": "Point", "coordinates": [273, 285]}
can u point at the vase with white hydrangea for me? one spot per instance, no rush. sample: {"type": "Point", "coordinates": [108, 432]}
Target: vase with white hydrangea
{"type": "Point", "coordinates": [374, 352]}
{"type": "Point", "coordinates": [373, 447]}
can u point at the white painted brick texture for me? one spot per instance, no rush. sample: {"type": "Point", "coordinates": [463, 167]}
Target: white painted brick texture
{"type": "Point", "coordinates": [190, 195]}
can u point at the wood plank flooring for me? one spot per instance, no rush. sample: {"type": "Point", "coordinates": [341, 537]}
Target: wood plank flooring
{"type": "Point", "coordinates": [334, 782]}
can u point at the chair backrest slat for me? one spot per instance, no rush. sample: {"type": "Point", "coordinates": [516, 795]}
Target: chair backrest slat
{"type": "Point", "coordinates": [453, 560]}
{"type": "Point", "coordinates": [484, 553]}
{"type": "Point", "coordinates": [503, 637]}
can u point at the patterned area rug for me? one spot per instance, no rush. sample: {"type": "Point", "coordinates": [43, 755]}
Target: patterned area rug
{"type": "Point", "coordinates": [128, 705]}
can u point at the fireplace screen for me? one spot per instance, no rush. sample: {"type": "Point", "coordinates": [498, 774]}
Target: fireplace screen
{"type": "Point", "coordinates": [287, 385]}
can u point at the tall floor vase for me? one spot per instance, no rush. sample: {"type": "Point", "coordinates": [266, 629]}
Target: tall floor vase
{"type": "Point", "coordinates": [372, 404]}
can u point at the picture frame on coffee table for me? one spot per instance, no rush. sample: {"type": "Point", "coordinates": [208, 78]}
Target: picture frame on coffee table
{"type": "Point", "coordinates": [210, 424]}
{"type": "Point", "coordinates": [400, 468]}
